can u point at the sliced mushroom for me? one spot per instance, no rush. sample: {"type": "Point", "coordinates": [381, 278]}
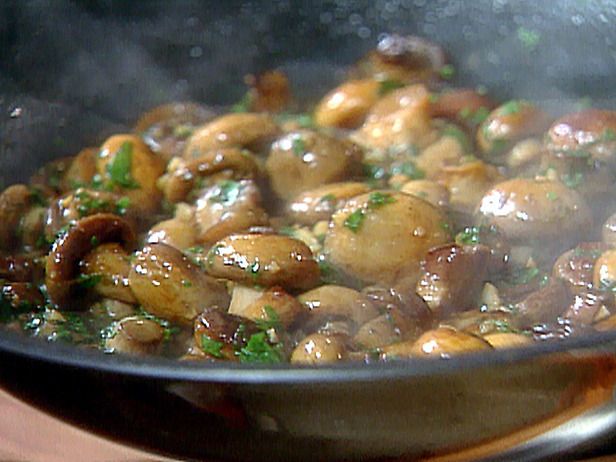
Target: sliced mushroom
{"type": "Point", "coordinates": [228, 207]}
{"type": "Point", "coordinates": [128, 166]}
{"type": "Point", "coordinates": [382, 236]}
{"type": "Point", "coordinates": [346, 106]}
{"type": "Point", "coordinates": [239, 130]}
{"type": "Point", "coordinates": [265, 305]}
{"type": "Point", "coordinates": [303, 160]}
{"type": "Point", "coordinates": [452, 277]}
{"type": "Point", "coordinates": [166, 128]}
{"type": "Point", "coordinates": [320, 348]}
{"type": "Point", "coordinates": [589, 133]}
{"type": "Point", "coordinates": [170, 286]}
{"type": "Point", "coordinates": [179, 231]}
{"type": "Point", "coordinates": [62, 264]}
{"type": "Point", "coordinates": [183, 176]}
{"type": "Point", "coordinates": [108, 265]}
{"type": "Point", "coordinates": [266, 260]}
{"type": "Point", "coordinates": [319, 204]}
{"type": "Point", "coordinates": [135, 335]}
{"type": "Point", "coordinates": [543, 305]}
{"type": "Point", "coordinates": [586, 307]}
{"type": "Point", "coordinates": [529, 211]}
{"type": "Point", "coordinates": [441, 343]}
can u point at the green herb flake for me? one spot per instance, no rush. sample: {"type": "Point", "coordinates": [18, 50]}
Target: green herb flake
{"type": "Point", "coordinates": [244, 104]}
{"type": "Point", "coordinates": [378, 199]}
{"type": "Point", "coordinates": [228, 192]}
{"type": "Point", "coordinates": [94, 241]}
{"type": "Point", "coordinates": [456, 133]}
{"type": "Point", "coordinates": [328, 198]}
{"type": "Point", "coordinates": [182, 131]}
{"type": "Point", "coordinates": [119, 169]}
{"type": "Point", "coordinates": [355, 220]}
{"type": "Point", "coordinates": [387, 86]}
{"type": "Point", "coordinates": [37, 197]}
{"type": "Point", "coordinates": [88, 281]}
{"type": "Point", "coordinates": [271, 320]}
{"type": "Point", "coordinates": [186, 283]}
{"type": "Point", "coordinates": [259, 350]}
{"type": "Point", "coordinates": [299, 146]}
{"type": "Point", "coordinates": [287, 231]}
{"type": "Point", "coordinates": [510, 107]}
{"type": "Point", "coordinates": [529, 38]}
{"type": "Point", "coordinates": [409, 170]}
{"type": "Point", "coordinates": [523, 276]}
{"type": "Point", "coordinates": [468, 236]}
{"type": "Point", "coordinates": [88, 204]}
{"type": "Point", "coordinates": [572, 180]}
{"type": "Point", "coordinates": [122, 205]}
{"type": "Point", "coordinates": [551, 195]}
{"type": "Point", "coordinates": [447, 72]}
{"type": "Point", "coordinates": [211, 347]}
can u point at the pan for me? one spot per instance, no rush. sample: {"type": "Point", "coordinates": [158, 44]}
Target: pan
{"type": "Point", "coordinates": [73, 72]}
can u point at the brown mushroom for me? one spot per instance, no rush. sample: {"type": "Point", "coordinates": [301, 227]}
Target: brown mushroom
{"type": "Point", "coordinates": [452, 277]}
{"type": "Point", "coordinates": [62, 263]}
{"type": "Point", "coordinates": [264, 305]}
{"type": "Point", "coordinates": [179, 231]}
{"type": "Point", "coordinates": [167, 284]}
{"type": "Point", "coordinates": [440, 343]}
{"type": "Point", "coordinates": [303, 160]}
{"type": "Point", "coordinates": [14, 203]}
{"type": "Point", "coordinates": [430, 191]}
{"type": "Point", "coordinates": [320, 203]}
{"type": "Point", "coordinates": [465, 106]}
{"type": "Point", "coordinates": [166, 128]}
{"type": "Point", "coordinates": [390, 327]}
{"type": "Point", "coordinates": [81, 170]}
{"type": "Point", "coordinates": [543, 305]}
{"type": "Point", "coordinates": [266, 260]}
{"type": "Point", "coordinates": [269, 91]}
{"type": "Point", "coordinates": [501, 340]}
{"type": "Point", "coordinates": [346, 106]}
{"type": "Point", "coordinates": [320, 348]}
{"type": "Point", "coordinates": [608, 232]}
{"type": "Point", "coordinates": [236, 130]}
{"type": "Point", "coordinates": [228, 207]}
{"type": "Point", "coordinates": [382, 236]}
{"type": "Point", "coordinates": [135, 335]}
{"type": "Point", "coordinates": [575, 266]}
{"type": "Point", "coordinates": [127, 165]}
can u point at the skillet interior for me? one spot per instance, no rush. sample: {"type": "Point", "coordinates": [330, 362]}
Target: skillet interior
{"type": "Point", "coordinates": [81, 70]}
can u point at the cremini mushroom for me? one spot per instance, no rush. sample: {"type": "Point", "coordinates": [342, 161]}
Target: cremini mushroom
{"type": "Point", "coordinates": [184, 175]}
{"type": "Point", "coordinates": [440, 343]}
{"type": "Point", "coordinates": [228, 207]}
{"type": "Point", "coordinates": [179, 231]}
{"type": "Point", "coordinates": [304, 159]}
{"type": "Point", "coordinates": [265, 260]}
{"type": "Point", "coordinates": [507, 340]}
{"type": "Point", "coordinates": [236, 130]}
{"type": "Point", "coordinates": [167, 284]}
{"type": "Point", "coordinates": [391, 327]}
{"type": "Point", "coordinates": [135, 335]}
{"type": "Point", "coordinates": [14, 203]}
{"type": "Point", "coordinates": [270, 305]}
{"type": "Point", "coordinates": [320, 348]}
{"type": "Point", "coordinates": [126, 165]}
{"type": "Point", "coordinates": [62, 263]}
{"type": "Point", "coordinates": [430, 191]}
{"type": "Point", "coordinates": [382, 236]}
{"type": "Point", "coordinates": [320, 203]}
{"type": "Point", "coordinates": [346, 106]}
{"type": "Point", "coordinates": [466, 106]}
{"type": "Point", "coordinates": [81, 170]}
{"type": "Point", "coordinates": [575, 266]}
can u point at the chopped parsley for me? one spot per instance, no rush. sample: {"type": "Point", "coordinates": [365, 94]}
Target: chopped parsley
{"type": "Point", "coordinates": [375, 200]}
{"type": "Point", "coordinates": [94, 241]}
{"type": "Point", "coordinates": [456, 133]}
{"type": "Point", "coordinates": [122, 205]}
{"type": "Point", "coordinates": [259, 350]}
{"type": "Point", "coordinates": [529, 38]}
{"type": "Point", "coordinates": [88, 281]}
{"type": "Point", "coordinates": [271, 321]}
{"type": "Point", "coordinates": [168, 329]}
{"type": "Point", "coordinates": [387, 86]}
{"type": "Point", "coordinates": [299, 146]}
{"type": "Point", "coordinates": [37, 197]}
{"type": "Point", "coordinates": [253, 270]}
{"type": "Point", "coordinates": [447, 72]}
{"type": "Point", "coordinates": [378, 199]}
{"type": "Point", "coordinates": [227, 193]}
{"type": "Point", "coordinates": [572, 180]}
{"type": "Point", "coordinates": [89, 204]}
{"type": "Point", "coordinates": [510, 107]}
{"type": "Point", "coordinates": [409, 170]}
{"type": "Point", "coordinates": [355, 220]}
{"type": "Point", "coordinates": [328, 198]}
{"type": "Point", "coordinates": [521, 276]}
{"type": "Point", "coordinates": [468, 236]}
{"type": "Point", "coordinates": [119, 169]}
{"type": "Point", "coordinates": [211, 347]}
{"type": "Point", "coordinates": [551, 195]}
{"type": "Point", "coordinates": [474, 117]}
{"type": "Point", "coordinates": [244, 104]}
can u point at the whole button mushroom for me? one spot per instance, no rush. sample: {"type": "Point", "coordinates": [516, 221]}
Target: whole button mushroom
{"type": "Point", "coordinates": [320, 348]}
{"type": "Point", "coordinates": [265, 260]}
{"type": "Point", "coordinates": [346, 106]}
{"type": "Point", "coordinates": [575, 266]}
{"type": "Point", "coordinates": [135, 335]}
{"type": "Point", "coordinates": [465, 106]}
{"type": "Point", "coordinates": [126, 165]}
{"type": "Point", "coordinates": [382, 236]}
{"type": "Point", "coordinates": [240, 130]}
{"type": "Point", "coordinates": [62, 263]}
{"type": "Point", "coordinates": [303, 160]}
{"type": "Point", "coordinates": [529, 211]}
{"type": "Point", "coordinates": [589, 133]}
{"type": "Point", "coordinates": [14, 203]}
{"type": "Point", "coordinates": [171, 287]}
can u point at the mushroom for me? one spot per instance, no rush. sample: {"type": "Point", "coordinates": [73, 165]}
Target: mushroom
{"type": "Point", "coordinates": [320, 348]}
{"type": "Point", "coordinates": [266, 260]}
{"type": "Point", "coordinates": [135, 335]}
{"type": "Point", "coordinates": [430, 191]}
{"type": "Point", "coordinates": [127, 165]}
{"type": "Point", "coordinates": [501, 340]}
{"type": "Point", "coordinates": [272, 304]}
{"type": "Point", "coordinates": [62, 263]}
{"type": "Point", "coordinates": [184, 175]}
{"type": "Point", "coordinates": [452, 277]}
{"type": "Point", "coordinates": [19, 268]}
{"type": "Point", "coordinates": [382, 236]}
{"type": "Point", "coordinates": [179, 231]}
{"type": "Point", "coordinates": [228, 207]}
{"type": "Point", "coordinates": [391, 327]}
{"type": "Point", "coordinates": [346, 106]}
{"type": "Point", "coordinates": [443, 342]}
{"type": "Point", "coordinates": [575, 266]}
{"type": "Point", "coordinates": [590, 133]}
{"type": "Point", "coordinates": [81, 170]}
{"type": "Point", "coordinates": [236, 130]}
{"type": "Point", "coordinates": [508, 123]}
{"type": "Point", "coordinates": [220, 335]}
{"type": "Point", "coordinates": [530, 211]}
{"type": "Point", "coordinates": [404, 58]}
{"type": "Point", "coordinates": [320, 203]}
{"type": "Point", "coordinates": [14, 203]}
{"type": "Point", "coordinates": [543, 305]}
{"type": "Point", "coordinates": [465, 106]}
{"type": "Point", "coordinates": [269, 91]}
{"type": "Point", "coordinates": [168, 285]}
{"type": "Point", "coordinates": [107, 266]}
{"type": "Point", "coordinates": [304, 159]}
{"type": "Point", "coordinates": [587, 307]}
{"type": "Point", "coordinates": [166, 128]}
{"type": "Point", "coordinates": [21, 296]}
